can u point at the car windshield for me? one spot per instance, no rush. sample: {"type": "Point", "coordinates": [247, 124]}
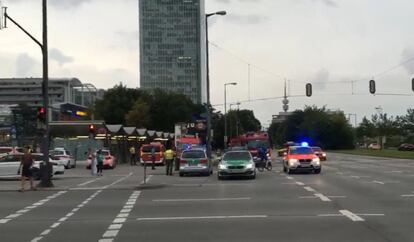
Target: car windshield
{"type": "Point", "coordinates": [148, 148]}
{"type": "Point", "coordinates": [194, 154]}
{"type": "Point", "coordinates": [57, 152]}
{"type": "Point", "coordinates": [105, 153]}
{"type": "Point", "coordinates": [300, 150]}
{"type": "Point", "coordinates": [254, 144]}
{"type": "Point", "coordinates": [237, 156]}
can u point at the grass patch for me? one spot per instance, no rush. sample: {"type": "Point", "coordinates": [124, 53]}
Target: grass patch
{"type": "Point", "coordinates": [379, 153]}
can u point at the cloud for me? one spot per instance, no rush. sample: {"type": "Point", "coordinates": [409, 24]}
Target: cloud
{"type": "Point", "coordinates": [329, 3]}
{"type": "Point", "coordinates": [58, 56]}
{"type": "Point", "coordinates": [321, 78]}
{"type": "Point", "coordinates": [126, 39]}
{"type": "Point", "coordinates": [408, 57]}
{"type": "Point", "coordinates": [64, 4]}
{"type": "Point", "coordinates": [25, 65]}
{"type": "Point", "coordinates": [246, 19]}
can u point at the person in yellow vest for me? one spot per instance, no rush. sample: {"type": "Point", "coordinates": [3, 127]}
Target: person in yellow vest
{"type": "Point", "coordinates": [133, 156]}
{"type": "Point", "coordinates": [169, 160]}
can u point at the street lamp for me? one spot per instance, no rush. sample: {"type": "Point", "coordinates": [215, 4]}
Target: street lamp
{"type": "Point", "coordinates": [222, 13]}
{"type": "Point", "coordinates": [237, 117]}
{"type": "Point", "coordinates": [225, 110]}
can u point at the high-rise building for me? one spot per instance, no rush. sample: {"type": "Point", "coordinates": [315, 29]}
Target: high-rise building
{"type": "Point", "coordinates": [173, 47]}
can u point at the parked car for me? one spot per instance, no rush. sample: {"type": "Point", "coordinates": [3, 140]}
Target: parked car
{"type": "Point", "coordinates": [109, 160]}
{"type": "Point", "coordinates": [64, 157]}
{"type": "Point", "coordinates": [10, 163]}
{"type": "Point", "coordinates": [406, 147]}
{"type": "Point", "coordinates": [374, 146]}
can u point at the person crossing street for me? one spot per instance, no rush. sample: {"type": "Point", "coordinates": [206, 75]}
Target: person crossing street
{"type": "Point", "coordinates": [133, 156]}
{"type": "Point", "coordinates": [169, 160]}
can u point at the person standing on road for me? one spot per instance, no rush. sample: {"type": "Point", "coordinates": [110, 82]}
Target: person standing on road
{"type": "Point", "coordinates": [25, 169]}
{"type": "Point", "coordinates": [99, 160]}
{"type": "Point", "coordinates": [153, 157]}
{"type": "Point", "coordinates": [92, 156]}
{"type": "Point", "coordinates": [133, 156]}
{"type": "Point", "coordinates": [169, 160]}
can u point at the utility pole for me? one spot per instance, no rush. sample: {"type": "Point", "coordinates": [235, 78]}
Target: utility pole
{"type": "Point", "coordinates": [46, 166]}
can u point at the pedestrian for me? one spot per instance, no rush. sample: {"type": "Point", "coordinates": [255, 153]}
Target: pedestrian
{"type": "Point", "coordinates": [169, 160]}
{"type": "Point", "coordinates": [99, 162]}
{"type": "Point", "coordinates": [92, 157]}
{"type": "Point", "coordinates": [153, 157]}
{"type": "Point", "coordinates": [133, 156]}
{"type": "Point", "coordinates": [25, 169]}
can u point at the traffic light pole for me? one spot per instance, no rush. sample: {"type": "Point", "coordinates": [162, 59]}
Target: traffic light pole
{"type": "Point", "coordinates": [46, 167]}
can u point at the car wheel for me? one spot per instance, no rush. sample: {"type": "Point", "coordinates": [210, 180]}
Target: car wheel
{"type": "Point", "coordinates": [289, 171]}
{"type": "Point", "coordinates": [181, 174]}
{"type": "Point", "coordinates": [284, 169]}
{"type": "Point", "coordinates": [317, 171]}
{"type": "Point", "coordinates": [68, 166]}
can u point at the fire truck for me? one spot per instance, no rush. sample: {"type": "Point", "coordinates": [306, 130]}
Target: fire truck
{"type": "Point", "coordinates": [253, 141]}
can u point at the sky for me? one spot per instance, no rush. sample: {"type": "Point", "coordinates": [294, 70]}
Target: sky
{"type": "Point", "coordinates": [337, 45]}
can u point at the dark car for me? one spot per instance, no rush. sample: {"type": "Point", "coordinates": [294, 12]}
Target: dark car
{"type": "Point", "coordinates": [406, 147]}
{"type": "Point", "coordinates": [319, 152]}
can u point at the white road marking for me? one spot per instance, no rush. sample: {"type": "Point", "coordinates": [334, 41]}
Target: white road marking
{"type": "Point", "coordinates": [356, 177]}
{"type": "Point", "coordinates": [336, 196]}
{"type": "Point", "coordinates": [202, 199]}
{"type": "Point", "coordinates": [203, 217]}
{"type": "Point", "coordinates": [88, 182]}
{"type": "Point", "coordinates": [378, 182]}
{"type": "Point", "coordinates": [300, 183]}
{"type": "Point", "coordinates": [290, 178]}
{"type": "Point", "coordinates": [147, 180]}
{"type": "Point", "coordinates": [307, 197]}
{"type": "Point", "coordinates": [309, 189]}
{"type": "Point", "coordinates": [370, 214]}
{"type": "Point", "coordinates": [20, 212]}
{"type": "Point", "coordinates": [407, 195]}
{"type": "Point", "coordinates": [118, 181]}
{"type": "Point", "coordinates": [120, 219]}
{"type": "Point", "coordinates": [67, 216]}
{"type": "Point", "coordinates": [394, 172]}
{"type": "Point", "coordinates": [351, 216]}
{"type": "Point", "coordinates": [322, 197]}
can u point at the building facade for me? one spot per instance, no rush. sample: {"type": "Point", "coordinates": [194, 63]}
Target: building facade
{"type": "Point", "coordinates": [173, 47]}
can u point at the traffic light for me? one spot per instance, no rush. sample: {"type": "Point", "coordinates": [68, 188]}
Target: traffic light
{"type": "Point", "coordinates": [92, 129]}
{"type": "Point", "coordinates": [372, 88]}
{"type": "Point", "coordinates": [308, 89]}
{"type": "Point", "coordinates": [412, 84]}
{"type": "Point", "coordinates": [41, 114]}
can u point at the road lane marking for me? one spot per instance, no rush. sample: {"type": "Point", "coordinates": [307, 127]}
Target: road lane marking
{"type": "Point", "coordinates": [351, 216]}
{"type": "Point", "coordinates": [300, 183]}
{"type": "Point", "coordinates": [202, 199]}
{"type": "Point", "coordinates": [407, 195]}
{"type": "Point", "coordinates": [88, 182]}
{"type": "Point", "coordinates": [64, 218]}
{"type": "Point", "coordinates": [378, 182]}
{"type": "Point", "coordinates": [289, 177]}
{"type": "Point", "coordinates": [309, 189]}
{"type": "Point", "coordinates": [203, 217]}
{"type": "Point", "coordinates": [113, 229]}
{"type": "Point", "coordinates": [322, 197]}
{"type": "Point", "coordinates": [20, 212]}
{"type": "Point", "coordinates": [147, 179]}
{"type": "Point", "coordinates": [336, 196]}
{"type": "Point", "coordinates": [307, 197]}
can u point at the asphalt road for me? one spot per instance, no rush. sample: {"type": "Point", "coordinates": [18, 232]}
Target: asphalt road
{"type": "Point", "coordinates": [355, 198]}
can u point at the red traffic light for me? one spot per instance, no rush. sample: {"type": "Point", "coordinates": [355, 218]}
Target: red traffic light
{"type": "Point", "coordinates": [92, 129]}
{"type": "Point", "coordinates": [41, 114]}
{"type": "Point", "coordinates": [41, 110]}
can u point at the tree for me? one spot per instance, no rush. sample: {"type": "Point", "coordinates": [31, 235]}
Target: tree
{"type": "Point", "coordinates": [139, 115]}
{"type": "Point", "coordinates": [318, 126]}
{"type": "Point", "coordinates": [117, 102]}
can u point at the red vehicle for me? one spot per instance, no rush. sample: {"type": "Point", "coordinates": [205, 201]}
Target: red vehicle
{"type": "Point", "coordinates": [301, 158]}
{"type": "Point", "coordinates": [319, 152]}
{"type": "Point", "coordinates": [108, 163]}
{"type": "Point", "coordinates": [185, 143]}
{"type": "Point", "coordinates": [253, 141]}
{"type": "Point", "coordinates": [146, 153]}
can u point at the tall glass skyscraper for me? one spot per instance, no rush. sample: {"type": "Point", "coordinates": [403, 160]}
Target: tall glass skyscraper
{"type": "Point", "coordinates": [173, 47]}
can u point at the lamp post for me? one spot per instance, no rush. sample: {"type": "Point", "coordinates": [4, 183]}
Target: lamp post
{"type": "Point", "coordinates": [237, 118]}
{"type": "Point", "coordinates": [46, 166]}
{"type": "Point", "coordinates": [222, 13]}
{"type": "Point", "coordinates": [225, 110]}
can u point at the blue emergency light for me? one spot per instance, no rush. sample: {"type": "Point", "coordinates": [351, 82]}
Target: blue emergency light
{"type": "Point", "coordinates": [304, 144]}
